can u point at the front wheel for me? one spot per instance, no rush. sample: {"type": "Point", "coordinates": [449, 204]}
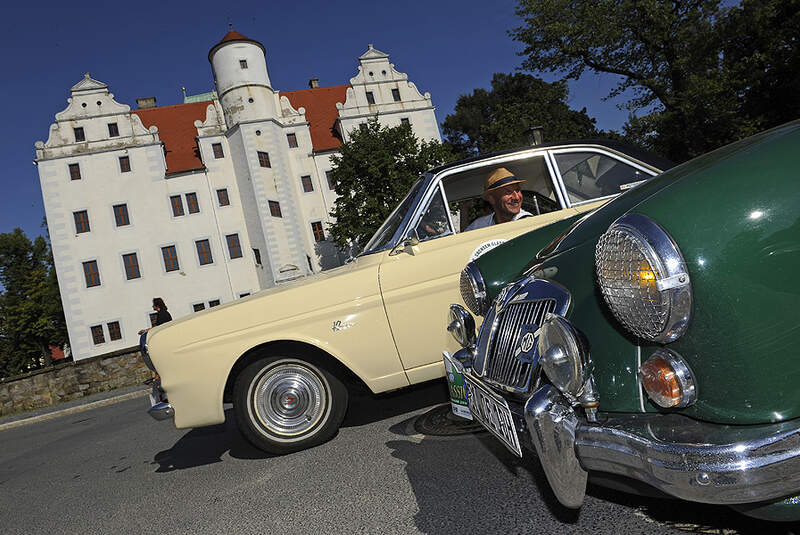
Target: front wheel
{"type": "Point", "coordinates": [285, 404]}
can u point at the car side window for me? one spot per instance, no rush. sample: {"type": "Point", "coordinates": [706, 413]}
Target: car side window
{"type": "Point", "coordinates": [434, 221]}
{"type": "Point", "coordinates": [589, 175]}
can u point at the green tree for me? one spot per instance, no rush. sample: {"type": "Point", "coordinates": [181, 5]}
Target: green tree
{"type": "Point", "coordinates": [675, 57]}
{"type": "Point", "coordinates": [372, 173]}
{"type": "Point", "coordinates": [501, 118]}
{"type": "Point", "coordinates": [31, 316]}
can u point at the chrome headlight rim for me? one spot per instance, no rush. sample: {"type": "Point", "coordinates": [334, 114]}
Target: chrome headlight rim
{"type": "Point", "coordinates": [683, 375]}
{"type": "Point", "coordinates": [461, 326]}
{"type": "Point", "coordinates": [672, 279]}
{"type": "Point", "coordinates": [574, 348]}
{"type": "Point", "coordinates": [473, 290]}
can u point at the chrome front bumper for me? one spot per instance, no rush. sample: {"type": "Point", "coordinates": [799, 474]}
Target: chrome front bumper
{"type": "Point", "coordinates": [682, 457]}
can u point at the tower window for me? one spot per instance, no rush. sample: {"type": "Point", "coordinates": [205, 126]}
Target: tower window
{"type": "Point", "coordinates": [191, 203]}
{"type": "Point", "coordinates": [222, 197]}
{"type": "Point", "coordinates": [204, 252]}
{"type": "Point", "coordinates": [113, 130]}
{"type": "Point", "coordinates": [91, 274]}
{"type": "Point", "coordinates": [292, 139]}
{"type": "Point", "coordinates": [263, 159]}
{"type": "Point", "coordinates": [234, 247]}
{"type": "Point", "coordinates": [81, 221]}
{"type": "Point", "coordinates": [396, 94]}
{"type": "Point", "coordinates": [74, 171]}
{"type": "Point", "coordinates": [330, 182]}
{"type": "Point", "coordinates": [131, 264]}
{"type": "Point", "coordinates": [121, 215]}
{"type": "Point", "coordinates": [257, 255]}
{"type": "Point", "coordinates": [79, 135]}
{"type": "Point", "coordinates": [217, 148]}
{"type": "Point", "coordinates": [370, 98]}
{"type": "Point", "coordinates": [274, 210]}
{"type": "Point", "coordinates": [124, 164]}
{"type": "Point", "coordinates": [307, 185]}
{"type": "Point", "coordinates": [316, 228]}
{"type": "Point", "coordinates": [243, 63]}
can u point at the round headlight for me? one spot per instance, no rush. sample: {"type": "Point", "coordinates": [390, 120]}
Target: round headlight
{"type": "Point", "coordinates": [462, 326]}
{"type": "Point", "coordinates": [644, 279]}
{"type": "Point", "coordinates": [473, 290]}
{"type": "Point", "coordinates": [562, 355]}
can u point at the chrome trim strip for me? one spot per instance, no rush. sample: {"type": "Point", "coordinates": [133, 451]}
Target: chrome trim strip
{"type": "Point", "coordinates": [638, 378]}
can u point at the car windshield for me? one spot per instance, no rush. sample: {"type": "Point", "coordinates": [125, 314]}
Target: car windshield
{"type": "Point", "coordinates": [384, 234]}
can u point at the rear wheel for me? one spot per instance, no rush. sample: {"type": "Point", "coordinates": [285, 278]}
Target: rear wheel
{"type": "Point", "coordinates": [285, 403]}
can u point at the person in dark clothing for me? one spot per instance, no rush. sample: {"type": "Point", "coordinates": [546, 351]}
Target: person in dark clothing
{"type": "Point", "coordinates": [162, 316]}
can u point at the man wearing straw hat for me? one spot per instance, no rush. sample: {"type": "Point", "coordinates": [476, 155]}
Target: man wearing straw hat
{"type": "Point", "coordinates": [502, 191]}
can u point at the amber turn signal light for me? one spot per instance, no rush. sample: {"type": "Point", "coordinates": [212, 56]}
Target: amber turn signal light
{"type": "Point", "coordinates": [667, 380]}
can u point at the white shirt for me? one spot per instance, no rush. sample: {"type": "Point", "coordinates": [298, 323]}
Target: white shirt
{"type": "Point", "coordinates": [488, 220]}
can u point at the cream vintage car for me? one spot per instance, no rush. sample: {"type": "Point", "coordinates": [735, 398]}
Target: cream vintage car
{"type": "Point", "coordinates": [288, 355]}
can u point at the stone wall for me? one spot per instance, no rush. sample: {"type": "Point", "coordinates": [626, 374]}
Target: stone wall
{"type": "Point", "coordinates": [72, 380]}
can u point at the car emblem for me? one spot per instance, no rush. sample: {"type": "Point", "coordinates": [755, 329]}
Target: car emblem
{"type": "Point", "coordinates": [527, 342]}
{"type": "Point", "coordinates": [339, 325]}
{"type": "Point", "coordinates": [526, 345]}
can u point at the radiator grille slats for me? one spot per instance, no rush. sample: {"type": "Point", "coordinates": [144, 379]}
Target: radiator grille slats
{"type": "Point", "coordinates": [502, 366]}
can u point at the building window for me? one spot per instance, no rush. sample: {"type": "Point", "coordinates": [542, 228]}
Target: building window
{"type": "Point", "coordinates": [328, 178]}
{"type": "Point", "coordinates": [97, 334]}
{"type": "Point", "coordinates": [81, 221]}
{"type": "Point", "coordinates": [275, 209]}
{"type": "Point", "coordinates": [307, 185]}
{"type": "Point", "coordinates": [74, 171]}
{"type": "Point", "coordinates": [79, 135]}
{"type": "Point", "coordinates": [124, 164]}
{"type": "Point", "coordinates": [153, 318]}
{"type": "Point", "coordinates": [316, 228]}
{"type": "Point", "coordinates": [213, 303]}
{"type": "Point", "coordinates": [244, 294]}
{"type": "Point", "coordinates": [121, 215]}
{"type": "Point", "coordinates": [405, 122]}
{"type": "Point", "coordinates": [217, 148]}
{"type": "Point", "coordinates": [113, 131]}
{"type": "Point", "coordinates": [91, 274]}
{"type": "Point", "coordinates": [257, 255]}
{"type": "Point", "coordinates": [177, 205]}
{"type": "Point", "coordinates": [204, 252]}
{"type": "Point", "coordinates": [363, 127]}
{"type": "Point", "coordinates": [198, 307]}
{"type": "Point", "coordinates": [191, 203]}
{"type": "Point", "coordinates": [222, 197]}
{"type": "Point", "coordinates": [131, 264]}
{"type": "Point", "coordinates": [292, 140]}
{"type": "Point", "coordinates": [114, 332]}
{"type": "Point", "coordinates": [396, 94]}
{"type": "Point", "coordinates": [234, 247]}
{"type": "Point", "coordinates": [263, 159]}
{"type": "Point", "coordinates": [170, 255]}
{"type": "Point", "coordinates": [370, 98]}
{"type": "Point", "coordinates": [243, 63]}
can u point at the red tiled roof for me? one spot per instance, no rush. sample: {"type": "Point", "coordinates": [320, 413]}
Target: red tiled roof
{"type": "Point", "coordinates": [176, 129]}
{"type": "Point", "coordinates": [321, 113]}
{"type": "Point", "coordinates": [233, 36]}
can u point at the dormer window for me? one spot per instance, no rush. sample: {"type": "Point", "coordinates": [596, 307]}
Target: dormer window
{"type": "Point", "coordinates": [396, 94]}
{"type": "Point", "coordinates": [79, 135]}
{"type": "Point", "coordinates": [113, 130]}
{"type": "Point", "coordinates": [370, 98]}
{"type": "Point", "coordinates": [243, 63]}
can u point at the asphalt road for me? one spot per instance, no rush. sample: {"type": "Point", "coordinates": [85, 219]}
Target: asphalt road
{"type": "Point", "coordinates": [114, 470]}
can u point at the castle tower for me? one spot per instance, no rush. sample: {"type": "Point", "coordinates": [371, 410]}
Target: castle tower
{"type": "Point", "coordinates": [240, 74]}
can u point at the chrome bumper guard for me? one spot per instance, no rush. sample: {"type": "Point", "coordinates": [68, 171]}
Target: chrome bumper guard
{"type": "Point", "coordinates": [692, 460]}
{"type": "Point", "coordinates": [161, 411]}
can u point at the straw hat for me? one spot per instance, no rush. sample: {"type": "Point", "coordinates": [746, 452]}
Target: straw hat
{"type": "Point", "coordinates": [500, 177]}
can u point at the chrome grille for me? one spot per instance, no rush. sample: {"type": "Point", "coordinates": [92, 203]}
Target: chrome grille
{"type": "Point", "coordinates": [503, 367]}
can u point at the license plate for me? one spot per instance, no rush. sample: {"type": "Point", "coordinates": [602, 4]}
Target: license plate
{"type": "Point", "coordinates": [493, 413]}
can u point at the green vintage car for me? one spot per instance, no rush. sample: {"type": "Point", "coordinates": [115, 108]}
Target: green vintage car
{"type": "Point", "coordinates": [654, 342]}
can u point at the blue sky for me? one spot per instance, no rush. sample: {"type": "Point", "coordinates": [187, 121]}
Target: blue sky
{"type": "Point", "coordinates": [447, 47]}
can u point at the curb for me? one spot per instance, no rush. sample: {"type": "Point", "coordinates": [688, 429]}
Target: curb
{"type": "Point", "coordinates": [74, 410]}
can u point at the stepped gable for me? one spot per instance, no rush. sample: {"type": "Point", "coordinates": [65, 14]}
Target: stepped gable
{"type": "Point", "coordinates": [321, 113]}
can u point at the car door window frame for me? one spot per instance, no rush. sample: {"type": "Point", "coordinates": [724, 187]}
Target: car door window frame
{"type": "Point", "coordinates": [561, 186]}
{"type": "Point", "coordinates": [426, 203]}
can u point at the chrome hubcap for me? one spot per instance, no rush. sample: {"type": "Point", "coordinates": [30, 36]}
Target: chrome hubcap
{"type": "Point", "coordinates": [289, 399]}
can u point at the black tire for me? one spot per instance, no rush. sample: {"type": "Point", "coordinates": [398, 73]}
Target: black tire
{"type": "Point", "coordinates": [286, 403]}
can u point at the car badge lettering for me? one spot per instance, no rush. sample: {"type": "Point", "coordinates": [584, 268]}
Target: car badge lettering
{"type": "Point", "coordinates": [485, 247]}
{"type": "Point", "coordinates": [526, 345]}
{"type": "Point", "coordinates": [339, 325]}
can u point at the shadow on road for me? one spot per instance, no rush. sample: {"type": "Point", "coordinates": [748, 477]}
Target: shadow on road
{"type": "Point", "coordinates": [502, 493]}
{"type": "Point", "coordinates": [206, 445]}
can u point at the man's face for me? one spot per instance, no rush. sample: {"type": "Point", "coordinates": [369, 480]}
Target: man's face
{"type": "Point", "coordinates": [506, 202]}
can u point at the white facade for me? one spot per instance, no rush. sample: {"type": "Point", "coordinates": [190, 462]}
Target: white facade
{"type": "Point", "coordinates": [250, 147]}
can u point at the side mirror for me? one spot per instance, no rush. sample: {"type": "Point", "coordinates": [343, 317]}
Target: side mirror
{"type": "Point", "coordinates": [408, 245]}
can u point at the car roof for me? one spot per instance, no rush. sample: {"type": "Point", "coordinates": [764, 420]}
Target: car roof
{"type": "Point", "coordinates": [633, 151]}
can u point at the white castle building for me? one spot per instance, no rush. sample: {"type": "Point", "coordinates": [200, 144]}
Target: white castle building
{"type": "Point", "coordinates": [203, 202]}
